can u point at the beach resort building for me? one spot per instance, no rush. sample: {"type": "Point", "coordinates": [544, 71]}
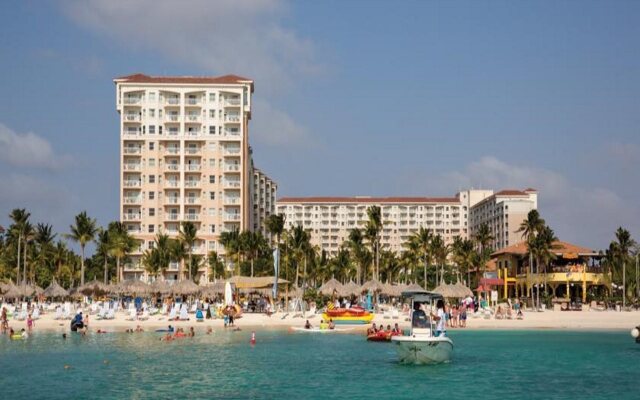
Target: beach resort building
{"type": "Point", "coordinates": [184, 157]}
{"type": "Point", "coordinates": [330, 219]}
{"type": "Point", "coordinates": [264, 192]}
{"type": "Point", "coordinates": [571, 275]}
{"type": "Point", "coordinates": [502, 212]}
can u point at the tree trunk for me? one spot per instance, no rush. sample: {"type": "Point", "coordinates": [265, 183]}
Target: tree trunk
{"type": "Point", "coordinates": [18, 273]}
{"type": "Point", "coordinates": [252, 267]}
{"type": "Point", "coordinates": [190, 264]}
{"type": "Point", "coordinates": [24, 262]}
{"type": "Point", "coordinates": [119, 271]}
{"type": "Point", "coordinates": [624, 285]}
{"type": "Point", "coordinates": [105, 270]}
{"type": "Point", "coordinates": [82, 265]}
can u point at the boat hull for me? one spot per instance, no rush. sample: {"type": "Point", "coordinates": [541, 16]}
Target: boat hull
{"type": "Point", "coordinates": [349, 319]}
{"type": "Point", "coordinates": [423, 351]}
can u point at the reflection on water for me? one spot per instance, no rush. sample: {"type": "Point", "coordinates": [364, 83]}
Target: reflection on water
{"type": "Point", "coordinates": [288, 365]}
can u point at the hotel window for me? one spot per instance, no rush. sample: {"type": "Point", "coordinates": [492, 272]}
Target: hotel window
{"type": "Point", "coordinates": [152, 112]}
{"type": "Point", "coordinates": [152, 162]}
{"type": "Point", "coordinates": [212, 130]}
{"type": "Point", "coordinates": [159, 129]}
{"type": "Point", "coordinates": [212, 195]}
{"type": "Point", "coordinates": [151, 145]}
{"type": "Point", "coordinates": [212, 179]}
{"type": "Point", "coordinates": [212, 229]}
{"type": "Point", "coordinates": [152, 195]}
{"type": "Point", "coordinates": [212, 162]}
{"type": "Point", "coordinates": [152, 96]}
{"type": "Point", "coordinates": [151, 228]}
{"type": "Point", "coordinates": [212, 212]}
{"type": "Point", "coordinates": [151, 244]}
{"type": "Point", "coordinates": [212, 113]}
{"type": "Point", "coordinates": [152, 212]}
{"type": "Point", "coordinates": [152, 179]}
{"type": "Point", "coordinates": [212, 97]}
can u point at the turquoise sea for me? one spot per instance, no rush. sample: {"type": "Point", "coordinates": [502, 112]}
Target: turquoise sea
{"type": "Point", "coordinates": [284, 365]}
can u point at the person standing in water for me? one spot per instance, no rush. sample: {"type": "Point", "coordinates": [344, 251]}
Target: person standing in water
{"type": "Point", "coordinates": [439, 316]}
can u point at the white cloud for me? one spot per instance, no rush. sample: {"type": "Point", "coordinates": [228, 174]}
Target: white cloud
{"type": "Point", "coordinates": [580, 214]}
{"type": "Point", "coordinates": [28, 150]}
{"type": "Point", "coordinates": [276, 128]}
{"type": "Point", "coordinates": [624, 153]}
{"type": "Point", "coordinates": [226, 36]}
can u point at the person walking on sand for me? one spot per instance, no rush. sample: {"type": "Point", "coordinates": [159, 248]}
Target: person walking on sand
{"type": "Point", "coordinates": [30, 323]}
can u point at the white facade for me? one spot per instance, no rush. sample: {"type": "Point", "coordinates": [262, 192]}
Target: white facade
{"type": "Point", "coordinates": [503, 212]}
{"type": "Point", "coordinates": [184, 157]}
{"type": "Point", "coordinates": [330, 219]}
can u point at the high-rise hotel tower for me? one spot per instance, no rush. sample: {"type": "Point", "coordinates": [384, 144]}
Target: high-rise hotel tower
{"type": "Point", "coordinates": [184, 157]}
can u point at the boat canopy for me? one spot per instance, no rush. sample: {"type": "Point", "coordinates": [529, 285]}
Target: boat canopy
{"type": "Point", "coordinates": [422, 296]}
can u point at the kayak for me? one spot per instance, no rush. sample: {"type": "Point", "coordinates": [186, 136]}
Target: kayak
{"type": "Point", "coordinates": [318, 330]}
{"type": "Point", "coordinates": [349, 319]}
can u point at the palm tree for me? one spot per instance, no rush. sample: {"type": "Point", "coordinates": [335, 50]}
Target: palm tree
{"type": "Point", "coordinates": [157, 259]}
{"type": "Point", "coordinates": [103, 248]}
{"type": "Point", "coordinates": [372, 233]}
{"type": "Point", "coordinates": [44, 238]}
{"type": "Point", "coordinates": [275, 226]}
{"type": "Point", "coordinates": [20, 218]}
{"type": "Point", "coordinates": [121, 244]}
{"type": "Point", "coordinates": [440, 251]}
{"type": "Point", "coordinates": [530, 228]}
{"type": "Point", "coordinates": [422, 240]}
{"type": "Point", "coordinates": [623, 248]}
{"type": "Point", "coordinates": [188, 237]}
{"type": "Point", "coordinates": [483, 239]}
{"type": "Point", "coordinates": [28, 235]}
{"type": "Point", "coordinates": [543, 246]}
{"type": "Point", "coordinates": [410, 259]}
{"type": "Point", "coordinates": [299, 242]}
{"type": "Point", "coordinates": [83, 232]}
{"type": "Point", "coordinates": [216, 264]}
{"type": "Point", "coordinates": [358, 252]}
{"type": "Point", "coordinates": [231, 242]}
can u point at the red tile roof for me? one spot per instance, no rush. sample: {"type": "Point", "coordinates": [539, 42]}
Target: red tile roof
{"type": "Point", "coordinates": [559, 248]}
{"type": "Point", "coordinates": [142, 78]}
{"type": "Point", "coordinates": [511, 192]}
{"type": "Point", "coordinates": [368, 200]}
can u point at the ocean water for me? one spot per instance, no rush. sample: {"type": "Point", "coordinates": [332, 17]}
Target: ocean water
{"type": "Point", "coordinates": [293, 365]}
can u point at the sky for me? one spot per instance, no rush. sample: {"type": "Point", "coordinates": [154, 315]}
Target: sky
{"type": "Point", "coordinates": [351, 98]}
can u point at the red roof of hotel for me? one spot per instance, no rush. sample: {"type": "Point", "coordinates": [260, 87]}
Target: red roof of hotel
{"type": "Point", "coordinates": [511, 192]}
{"type": "Point", "coordinates": [142, 78]}
{"type": "Point", "coordinates": [559, 248]}
{"type": "Point", "coordinates": [365, 199]}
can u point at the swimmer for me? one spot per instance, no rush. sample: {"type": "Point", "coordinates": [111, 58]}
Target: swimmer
{"type": "Point", "coordinates": [64, 336]}
{"type": "Point", "coordinates": [139, 329]}
{"type": "Point", "coordinates": [192, 333]}
{"type": "Point", "coordinates": [167, 337]}
{"type": "Point", "coordinates": [209, 331]}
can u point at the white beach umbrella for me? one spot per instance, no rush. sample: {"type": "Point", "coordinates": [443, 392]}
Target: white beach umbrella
{"type": "Point", "coordinates": [228, 296]}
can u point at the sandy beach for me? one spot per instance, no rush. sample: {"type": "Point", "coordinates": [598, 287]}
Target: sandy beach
{"type": "Point", "coordinates": [584, 320]}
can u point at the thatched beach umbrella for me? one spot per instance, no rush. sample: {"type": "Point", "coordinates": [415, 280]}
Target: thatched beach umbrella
{"type": "Point", "coordinates": [19, 291]}
{"type": "Point", "coordinates": [4, 287]}
{"type": "Point", "coordinates": [185, 288]}
{"type": "Point", "coordinates": [330, 287]}
{"type": "Point", "coordinates": [463, 291]}
{"type": "Point", "coordinates": [55, 290]}
{"type": "Point", "coordinates": [134, 287]}
{"type": "Point", "coordinates": [161, 287]}
{"type": "Point", "coordinates": [350, 289]}
{"type": "Point", "coordinates": [391, 290]}
{"type": "Point", "coordinates": [372, 285]}
{"type": "Point", "coordinates": [214, 289]}
{"type": "Point", "coordinates": [413, 287]}
{"type": "Point", "coordinates": [95, 287]}
{"type": "Point", "coordinates": [446, 290]}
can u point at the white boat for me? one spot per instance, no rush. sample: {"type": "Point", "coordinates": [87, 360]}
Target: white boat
{"type": "Point", "coordinates": [318, 330]}
{"type": "Point", "coordinates": [422, 346]}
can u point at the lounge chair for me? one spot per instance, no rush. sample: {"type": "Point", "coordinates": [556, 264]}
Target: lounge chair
{"type": "Point", "coordinates": [21, 316]}
{"type": "Point", "coordinates": [133, 315]}
{"type": "Point", "coordinates": [184, 314]}
{"type": "Point", "coordinates": [194, 307]}
{"type": "Point", "coordinates": [395, 314]}
{"type": "Point", "coordinates": [172, 314]}
{"type": "Point", "coordinates": [36, 313]}
{"type": "Point", "coordinates": [111, 314]}
{"type": "Point", "coordinates": [144, 316]}
{"type": "Point", "coordinates": [386, 314]}
{"type": "Point", "coordinates": [58, 313]}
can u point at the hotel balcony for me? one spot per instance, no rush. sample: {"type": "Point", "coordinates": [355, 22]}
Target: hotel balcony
{"type": "Point", "coordinates": [132, 184]}
{"type": "Point", "coordinates": [231, 151]}
{"type": "Point", "coordinates": [193, 150]}
{"type": "Point", "coordinates": [132, 100]}
{"type": "Point", "coordinates": [132, 167]}
{"type": "Point", "coordinates": [232, 102]}
{"type": "Point", "coordinates": [194, 118]}
{"type": "Point", "coordinates": [231, 168]}
{"type": "Point", "coordinates": [172, 183]}
{"type": "Point", "coordinates": [172, 217]}
{"type": "Point", "coordinates": [191, 217]}
{"type": "Point", "coordinates": [230, 133]}
{"type": "Point", "coordinates": [172, 200]}
{"type": "Point", "coordinates": [231, 184]}
{"type": "Point", "coordinates": [192, 184]}
{"type": "Point", "coordinates": [131, 132]}
{"type": "Point", "coordinates": [232, 118]}
{"type": "Point", "coordinates": [192, 200]}
{"type": "Point", "coordinates": [193, 101]}
{"type": "Point", "coordinates": [231, 216]}
{"type": "Point", "coordinates": [172, 100]}
{"type": "Point", "coordinates": [132, 118]}
{"type": "Point", "coordinates": [172, 150]}
{"type": "Point", "coordinates": [132, 150]}
{"type": "Point", "coordinates": [132, 200]}
{"type": "Point", "coordinates": [193, 167]}
{"type": "Point", "coordinates": [172, 132]}
{"type": "Point", "coordinates": [231, 200]}
{"type": "Point", "coordinates": [172, 118]}
{"type": "Point", "coordinates": [191, 134]}
{"type": "Point", "coordinates": [172, 167]}
{"type": "Point", "coordinates": [132, 216]}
